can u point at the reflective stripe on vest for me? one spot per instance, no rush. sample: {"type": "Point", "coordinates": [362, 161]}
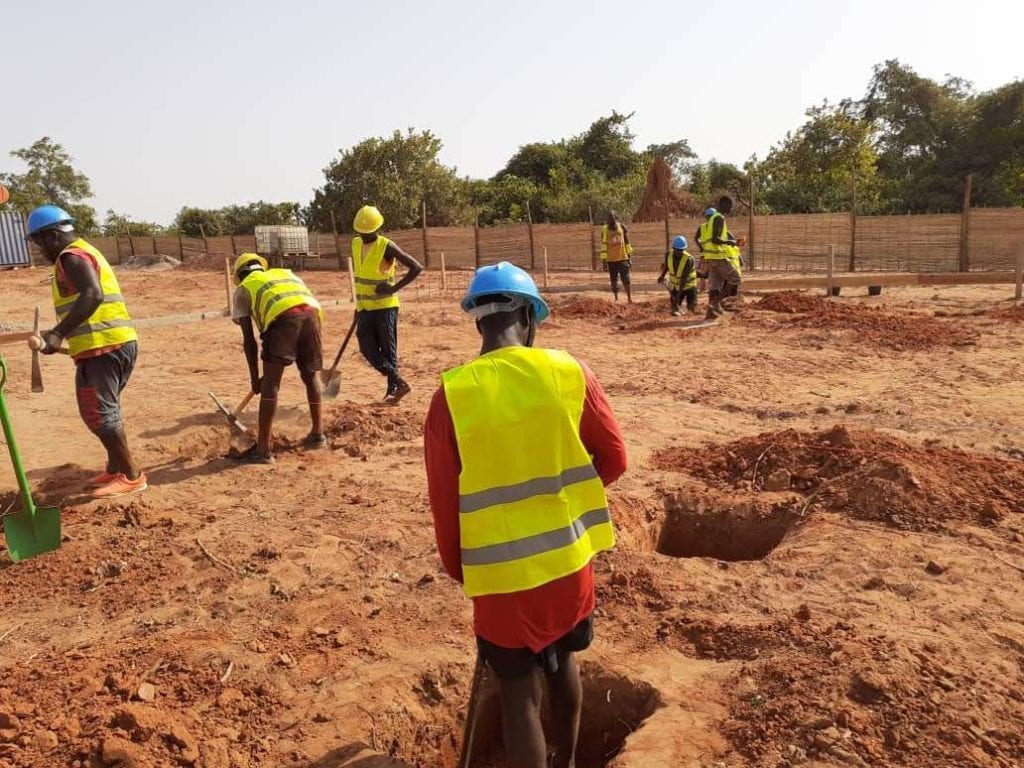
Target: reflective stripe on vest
{"type": "Point", "coordinates": [714, 250]}
{"type": "Point", "coordinates": [532, 507]}
{"type": "Point", "coordinates": [675, 276]}
{"type": "Point", "coordinates": [274, 291]}
{"type": "Point", "coordinates": [110, 324]}
{"type": "Point", "coordinates": [618, 251]}
{"type": "Point", "coordinates": [368, 274]}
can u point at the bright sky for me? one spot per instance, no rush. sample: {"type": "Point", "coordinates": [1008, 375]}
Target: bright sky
{"type": "Point", "coordinates": [212, 103]}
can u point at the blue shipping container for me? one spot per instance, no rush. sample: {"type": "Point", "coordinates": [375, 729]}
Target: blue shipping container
{"type": "Point", "coordinates": [13, 248]}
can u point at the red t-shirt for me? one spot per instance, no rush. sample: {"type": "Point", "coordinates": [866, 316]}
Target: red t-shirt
{"type": "Point", "coordinates": [537, 617]}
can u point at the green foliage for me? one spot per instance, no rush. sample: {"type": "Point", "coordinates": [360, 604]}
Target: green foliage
{"type": "Point", "coordinates": [116, 224]}
{"type": "Point", "coordinates": [676, 154]}
{"type": "Point", "coordinates": [234, 219]}
{"type": "Point", "coordinates": [711, 180]}
{"type": "Point", "coordinates": [50, 178]}
{"type": "Point", "coordinates": [813, 169]}
{"type": "Point", "coordinates": [397, 174]}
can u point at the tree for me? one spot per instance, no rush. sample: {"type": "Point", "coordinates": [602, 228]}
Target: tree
{"type": "Point", "coordinates": [607, 146]}
{"type": "Point", "coordinates": [397, 174]}
{"type": "Point", "coordinates": [813, 169]}
{"type": "Point", "coordinates": [676, 155]}
{"type": "Point", "coordinates": [995, 146]}
{"type": "Point", "coordinates": [200, 222]}
{"type": "Point", "coordinates": [714, 178]}
{"type": "Point", "coordinates": [50, 178]}
{"type": "Point", "coordinates": [116, 224]}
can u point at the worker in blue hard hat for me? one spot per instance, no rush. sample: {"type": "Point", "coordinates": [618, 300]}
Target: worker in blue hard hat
{"type": "Point", "coordinates": [682, 276]}
{"type": "Point", "coordinates": [519, 444]}
{"type": "Point", "coordinates": [93, 317]}
{"type": "Point", "coordinates": [719, 249]}
{"type": "Point", "coordinates": [373, 259]}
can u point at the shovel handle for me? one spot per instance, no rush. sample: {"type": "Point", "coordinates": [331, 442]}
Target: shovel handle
{"type": "Point", "coordinates": [344, 344]}
{"type": "Point", "coordinates": [241, 405]}
{"type": "Point", "coordinates": [472, 713]}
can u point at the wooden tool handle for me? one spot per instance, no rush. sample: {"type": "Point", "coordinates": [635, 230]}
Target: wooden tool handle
{"type": "Point", "coordinates": [241, 405]}
{"type": "Point", "coordinates": [344, 344]}
{"type": "Point", "coordinates": [37, 371]}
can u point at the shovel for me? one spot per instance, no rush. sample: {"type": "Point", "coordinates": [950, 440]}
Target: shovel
{"type": "Point", "coordinates": [241, 437]}
{"type": "Point", "coordinates": [332, 378]}
{"type": "Point", "coordinates": [31, 531]}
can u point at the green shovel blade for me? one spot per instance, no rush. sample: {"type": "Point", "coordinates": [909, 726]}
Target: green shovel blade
{"type": "Point", "coordinates": [32, 533]}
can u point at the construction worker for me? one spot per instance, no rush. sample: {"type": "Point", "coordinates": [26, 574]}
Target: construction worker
{"type": "Point", "coordinates": [716, 245]}
{"type": "Point", "coordinates": [682, 276]}
{"type": "Point", "coordinates": [615, 254]}
{"type": "Point", "coordinates": [373, 259]}
{"type": "Point", "coordinates": [519, 444]}
{"type": "Point", "coordinates": [288, 317]}
{"type": "Point", "coordinates": [93, 317]}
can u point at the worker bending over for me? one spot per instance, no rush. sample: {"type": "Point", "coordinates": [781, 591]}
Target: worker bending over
{"type": "Point", "coordinates": [288, 317]}
{"type": "Point", "coordinates": [716, 244]}
{"type": "Point", "coordinates": [373, 259]}
{"type": "Point", "coordinates": [93, 317]}
{"type": "Point", "coordinates": [519, 444]}
{"type": "Point", "coordinates": [682, 276]}
{"type": "Point", "coordinates": [615, 254]}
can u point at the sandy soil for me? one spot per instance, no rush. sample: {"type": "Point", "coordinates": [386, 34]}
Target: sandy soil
{"type": "Point", "coordinates": [820, 559]}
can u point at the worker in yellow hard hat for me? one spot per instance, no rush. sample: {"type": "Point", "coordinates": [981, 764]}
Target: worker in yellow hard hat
{"type": "Point", "coordinates": [373, 261]}
{"type": "Point", "coordinates": [288, 317]}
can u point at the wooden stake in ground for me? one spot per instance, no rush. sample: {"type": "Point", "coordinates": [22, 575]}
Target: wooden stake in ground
{"type": "Point", "coordinates": [227, 281]}
{"type": "Point", "coordinates": [830, 267]}
{"type": "Point", "coordinates": [545, 250]}
{"type": "Point", "coordinates": [351, 277]}
{"type": "Point", "coordinates": [444, 274]}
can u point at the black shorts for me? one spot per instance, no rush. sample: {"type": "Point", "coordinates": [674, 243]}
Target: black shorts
{"type": "Point", "coordinates": [517, 662]}
{"type": "Point", "coordinates": [295, 338]}
{"type": "Point", "coordinates": [99, 382]}
{"type": "Point", "coordinates": [617, 269]}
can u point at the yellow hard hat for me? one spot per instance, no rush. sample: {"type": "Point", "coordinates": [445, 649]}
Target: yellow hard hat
{"type": "Point", "coordinates": [368, 220]}
{"type": "Point", "coordinates": [248, 258]}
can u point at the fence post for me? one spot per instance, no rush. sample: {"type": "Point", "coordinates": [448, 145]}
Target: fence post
{"type": "Point", "coordinates": [337, 242]}
{"type": "Point", "coordinates": [594, 256]}
{"type": "Point", "coordinates": [1020, 275]}
{"type": "Point", "coordinates": [829, 268]}
{"type": "Point", "coordinates": [476, 240]}
{"type": "Point", "coordinates": [426, 252]}
{"type": "Point", "coordinates": [545, 249]}
{"type": "Point", "coordinates": [131, 243]}
{"type": "Point", "coordinates": [206, 243]}
{"type": "Point", "coordinates": [965, 216]}
{"type": "Point", "coordinates": [234, 251]}
{"type": "Point", "coordinates": [668, 226]}
{"type": "Point", "coordinates": [529, 229]}
{"type": "Point", "coordinates": [444, 274]}
{"type": "Point", "coordinates": [852, 266]}
{"type": "Point", "coordinates": [181, 247]}
{"type": "Point", "coordinates": [750, 226]}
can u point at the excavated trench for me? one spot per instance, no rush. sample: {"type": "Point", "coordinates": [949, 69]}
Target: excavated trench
{"type": "Point", "coordinates": [747, 531]}
{"type": "Point", "coordinates": [613, 707]}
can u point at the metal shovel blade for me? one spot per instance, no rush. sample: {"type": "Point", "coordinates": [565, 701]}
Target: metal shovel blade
{"type": "Point", "coordinates": [31, 533]}
{"type": "Point", "coordinates": [332, 384]}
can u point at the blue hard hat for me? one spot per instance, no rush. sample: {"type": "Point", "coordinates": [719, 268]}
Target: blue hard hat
{"type": "Point", "coordinates": [47, 216]}
{"type": "Point", "coordinates": [710, 212]}
{"type": "Point", "coordinates": [679, 243]}
{"type": "Point", "coordinates": [509, 280]}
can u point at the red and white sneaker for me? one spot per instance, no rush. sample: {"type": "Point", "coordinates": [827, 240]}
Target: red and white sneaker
{"type": "Point", "coordinates": [103, 478]}
{"type": "Point", "coordinates": [121, 486]}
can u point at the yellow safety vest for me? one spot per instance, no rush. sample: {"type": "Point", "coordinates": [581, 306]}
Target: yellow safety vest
{"type": "Point", "coordinates": [368, 274]}
{"type": "Point", "coordinates": [713, 250]}
{"type": "Point", "coordinates": [735, 260]}
{"type": "Point", "coordinates": [675, 276]}
{"type": "Point", "coordinates": [532, 508]}
{"type": "Point", "coordinates": [274, 291]}
{"type": "Point", "coordinates": [110, 324]}
{"type": "Point", "coordinates": [618, 249]}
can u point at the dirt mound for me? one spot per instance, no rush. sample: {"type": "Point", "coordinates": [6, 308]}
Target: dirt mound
{"type": "Point", "coordinates": [589, 308]}
{"type": "Point", "coordinates": [864, 474]}
{"type": "Point", "coordinates": [873, 325]}
{"type": "Point", "coordinates": [1014, 314]}
{"type": "Point", "coordinates": [658, 190]}
{"type": "Point", "coordinates": [150, 262]}
{"type": "Point", "coordinates": [354, 428]}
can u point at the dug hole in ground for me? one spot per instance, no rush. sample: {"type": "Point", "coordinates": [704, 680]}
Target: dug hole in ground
{"type": "Point", "coordinates": [819, 557]}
